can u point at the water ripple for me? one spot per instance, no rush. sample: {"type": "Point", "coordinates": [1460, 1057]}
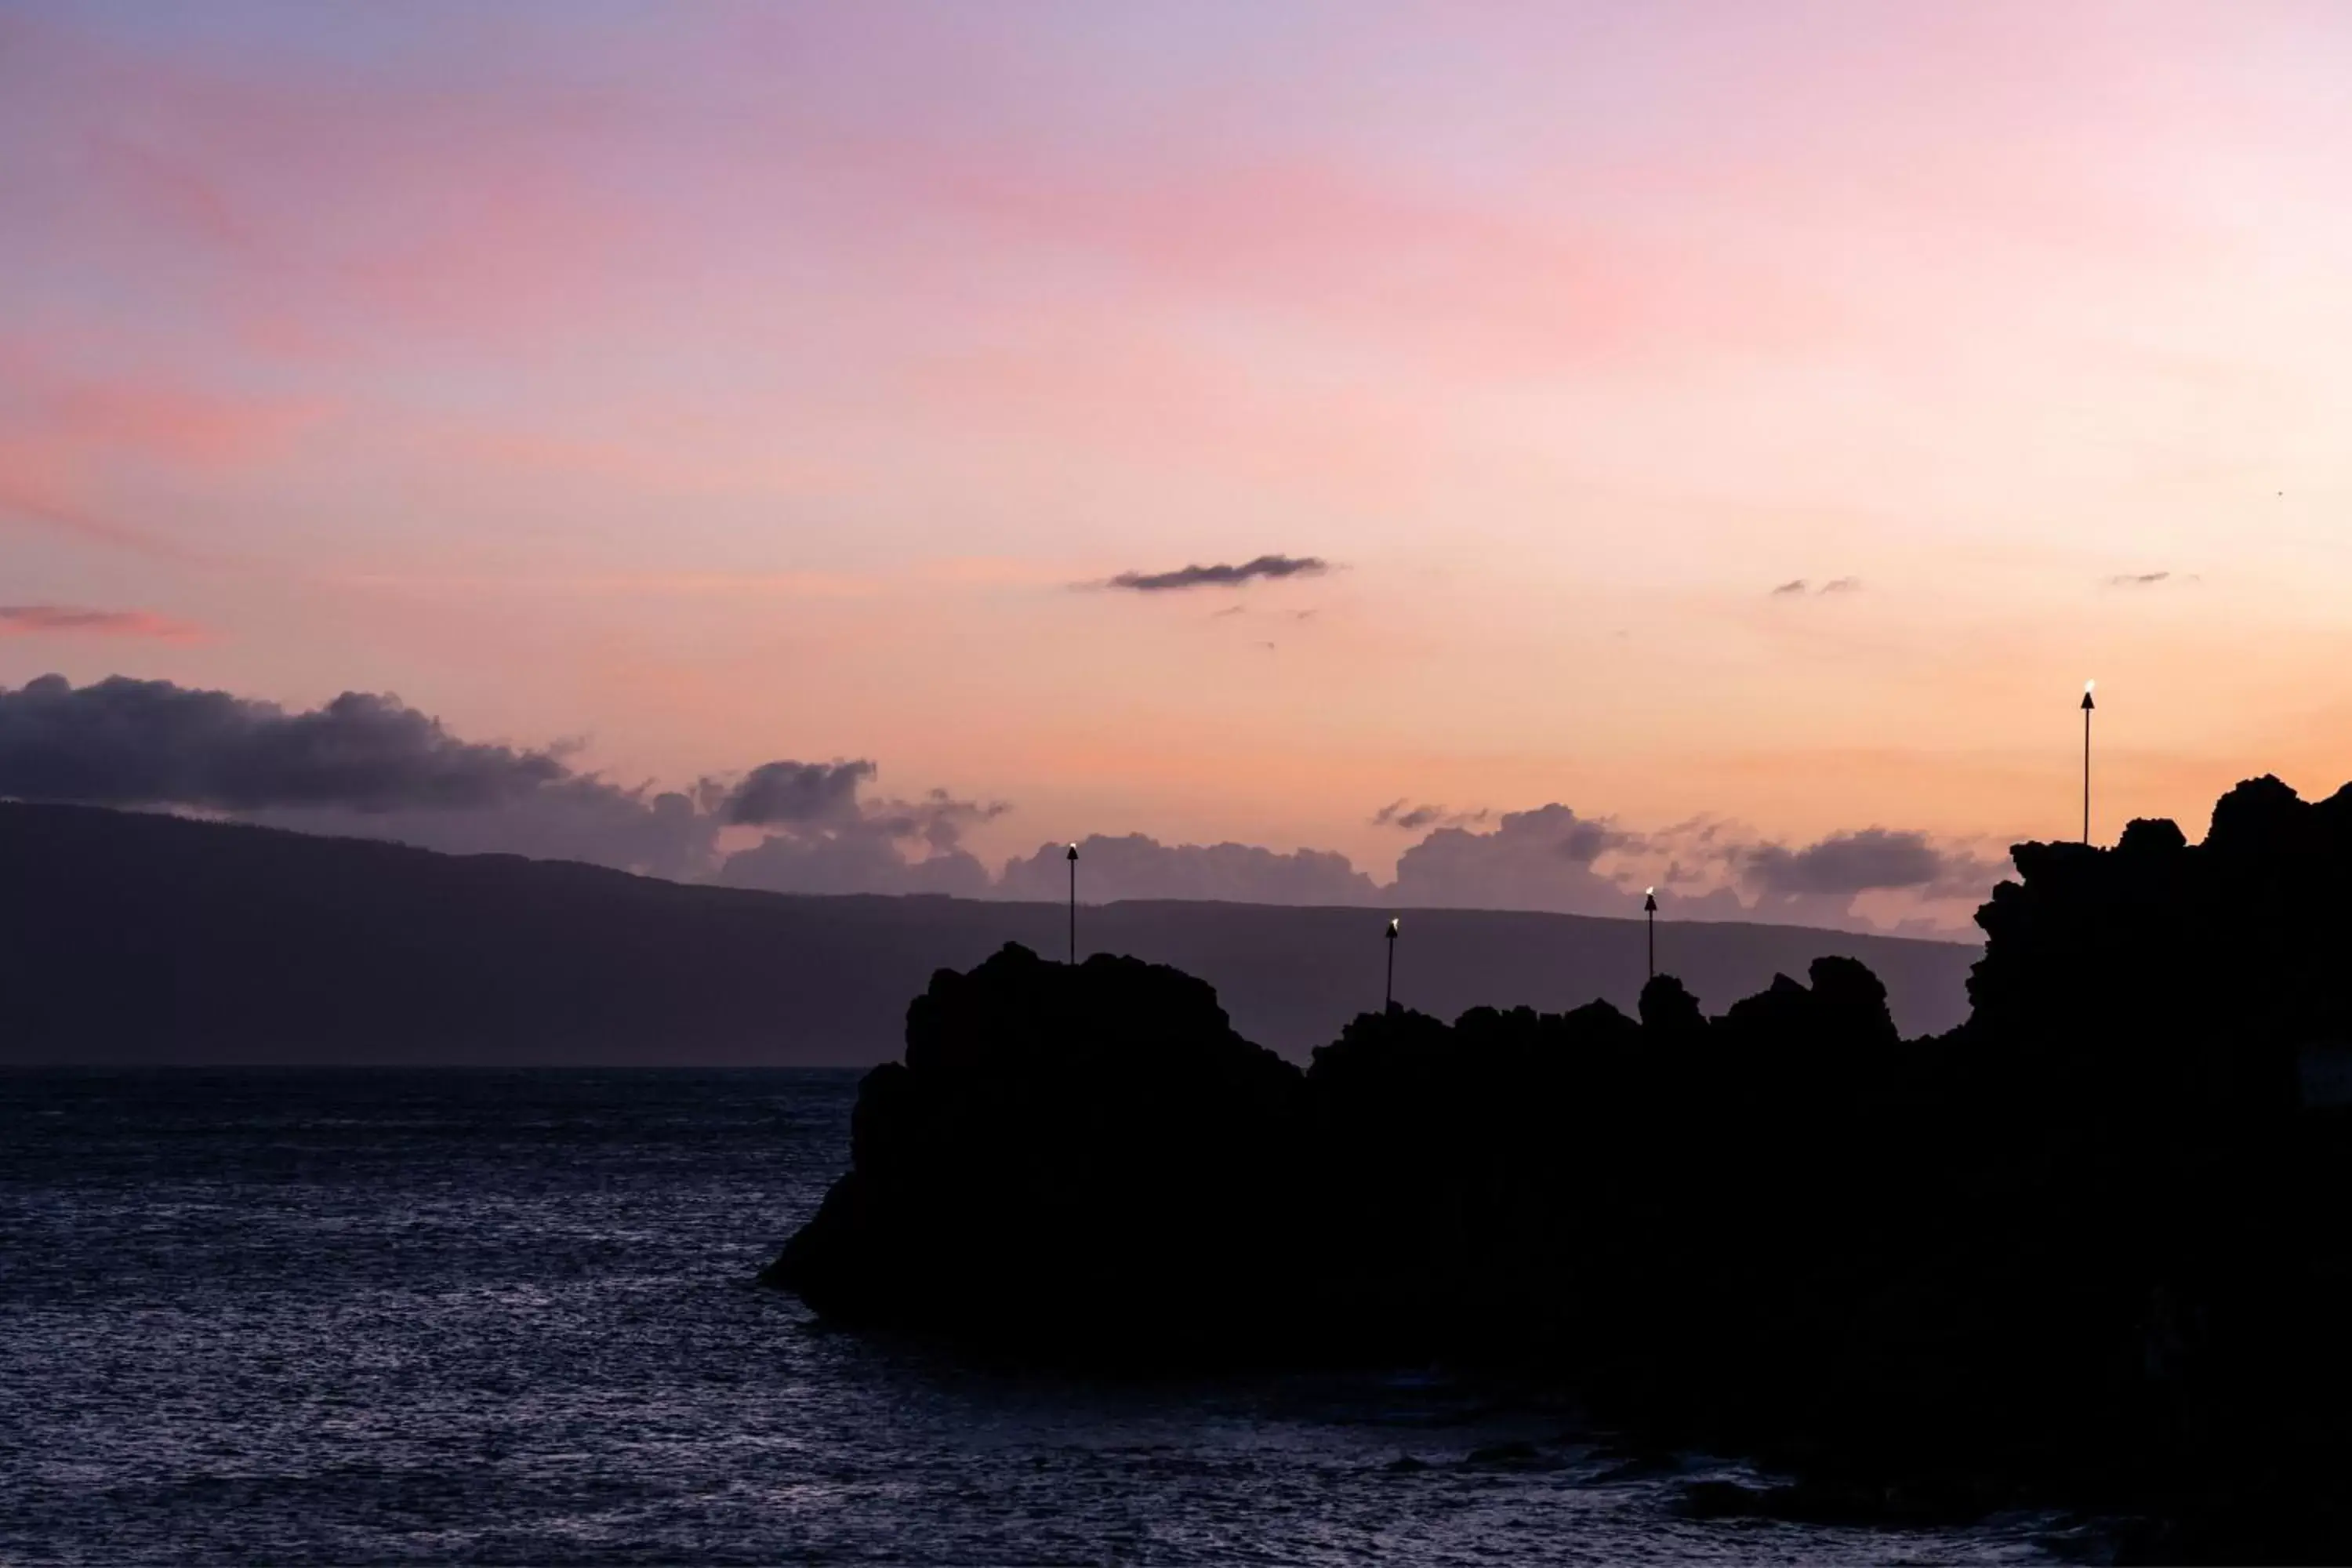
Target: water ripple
{"type": "Point", "coordinates": [498, 1317]}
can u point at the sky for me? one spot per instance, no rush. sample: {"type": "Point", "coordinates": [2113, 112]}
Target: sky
{"type": "Point", "coordinates": [1740, 428]}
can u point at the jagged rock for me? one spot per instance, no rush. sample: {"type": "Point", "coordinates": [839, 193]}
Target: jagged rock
{"type": "Point", "coordinates": [1851, 1002]}
{"type": "Point", "coordinates": [1085, 1160]}
{"type": "Point", "coordinates": [1669, 1010]}
{"type": "Point", "coordinates": [2151, 835]}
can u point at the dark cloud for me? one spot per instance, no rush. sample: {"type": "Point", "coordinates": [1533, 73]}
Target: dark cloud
{"type": "Point", "coordinates": [1843, 586]}
{"type": "Point", "coordinates": [938, 819]}
{"type": "Point", "coordinates": [1221, 575]}
{"type": "Point", "coordinates": [829, 841]}
{"type": "Point", "coordinates": [2137, 579]}
{"type": "Point", "coordinates": [370, 766]}
{"type": "Point", "coordinates": [1401, 813]}
{"type": "Point", "coordinates": [1539, 859]}
{"type": "Point", "coordinates": [29, 620]}
{"type": "Point", "coordinates": [150, 742]}
{"type": "Point", "coordinates": [1792, 587]}
{"type": "Point", "coordinates": [1817, 884]}
{"type": "Point", "coordinates": [797, 791]}
{"type": "Point", "coordinates": [1137, 867]}
{"type": "Point", "coordinates": [1849, 863]}
{"type": "Point", "coordinates": [1798, 587]}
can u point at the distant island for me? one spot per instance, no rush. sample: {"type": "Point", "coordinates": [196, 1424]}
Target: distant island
{"type": "Point", "coordinates": [145, 937]}
{"type": "Point", "coordinates": [2087, 1248]}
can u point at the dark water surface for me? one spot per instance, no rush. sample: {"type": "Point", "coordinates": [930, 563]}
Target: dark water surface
{"type": "Point", "coordinates": [369, 1317]}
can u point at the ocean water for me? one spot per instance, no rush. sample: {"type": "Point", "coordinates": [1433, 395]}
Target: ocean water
{"type": "Point", "coordinates": [509, 1317]}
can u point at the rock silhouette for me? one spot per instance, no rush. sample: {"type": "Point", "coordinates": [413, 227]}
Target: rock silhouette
{"type": "Point", "coordinates": [1070, 1158]}
{"type": "Point", "coordinates": [2087, 1248]}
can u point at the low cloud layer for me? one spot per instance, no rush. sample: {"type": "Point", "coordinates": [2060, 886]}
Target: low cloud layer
{"type": "Point", "coordinates": [369, 765]}
{"type": "Point", "coordinates": [1134, 866]}
{"type": "Point", "coordinates": [2138, 579]}
{"type": "Point", "coordinates": [1539, 859]}
{"type": "Point", "coordinates": [1799, 588]}
{"type": "Point", "coordinates": [1221, 575]}
{"type": "Point", "coordinates": [1552, 858]}
{"type": "Point", "coordinates": [36, 620]}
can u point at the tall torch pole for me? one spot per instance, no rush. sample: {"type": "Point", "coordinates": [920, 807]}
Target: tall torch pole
{"type": "Point", "coordinates": [1388, 999]}
{"type": "Point", "coordinates": [1650, 909]}
{"type": "Point", "coordinates": [1074, 903]}
{"type": "Point", "coordinates": [2087, 706]}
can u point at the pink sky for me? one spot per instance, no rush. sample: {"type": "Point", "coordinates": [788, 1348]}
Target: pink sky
{"type": "Point", "coordinates": [722, 383]}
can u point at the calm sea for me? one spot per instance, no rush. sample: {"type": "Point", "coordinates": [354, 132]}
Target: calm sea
{"type": "Point", "coordinates": [508, 1317]}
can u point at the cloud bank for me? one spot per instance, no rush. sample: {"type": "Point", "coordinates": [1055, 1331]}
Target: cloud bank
{"type": "Point", "coordinates": [1136, 867]}
{"type": "Point", "coordinates": [369, 765]}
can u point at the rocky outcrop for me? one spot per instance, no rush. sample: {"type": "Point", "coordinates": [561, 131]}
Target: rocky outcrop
{"type": "Point", "coordinates": [1070, 1161]}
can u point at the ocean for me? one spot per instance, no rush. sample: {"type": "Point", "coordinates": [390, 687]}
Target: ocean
{"type": "Point", "coordinates": [342, 1317]}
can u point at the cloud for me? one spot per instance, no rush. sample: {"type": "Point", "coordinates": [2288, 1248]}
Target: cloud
{"type": "Point", "coordinates": [797, 791]}
{"type": "Point", "coordinates": [1221, 575]}
{"type": "Point", "coordinates": [1843, 863]}
{"type": "Point", "coordinates": [830, 841]}
{"type": "Point", "coordinates": [1873, 860]}
{"type": "Point", "coordinates": [1400, 813]}
{"type": "Point", "coordinates": [1137, 867]}
{"type": "Point", "coordinates": [1795, 585]}
{"type": "Point", "coordinates": [1798, 587]}
{"type": "Point", "coordinates": [150, 742]}
{"type": "Point", "coordinates": [1873, 878]}
{"type": "Point", "coordinates": [1539, 859]}
{"type": "Point", "coordinates": [1843, 586]}
{"type": "Point", "coordinates": [369, 766]}
{"type": "Point", "coordinates": [938, 819]}
{"type": "Point", "coordinates": [33, 620]}
{"type": "Point", "coordinates": [860, 857]}
{"type": "Point", "coordinates": [2137, 579]}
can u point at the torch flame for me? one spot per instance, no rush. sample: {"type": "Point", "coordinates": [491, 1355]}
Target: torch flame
{"type": "Point", "coordinates": [2087, 686]}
